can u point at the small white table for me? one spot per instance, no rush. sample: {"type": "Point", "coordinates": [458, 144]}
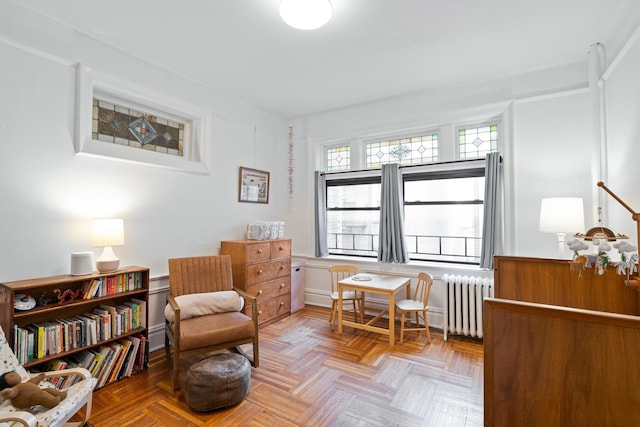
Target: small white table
{"type": "Point", "coordinates": [377, 284]}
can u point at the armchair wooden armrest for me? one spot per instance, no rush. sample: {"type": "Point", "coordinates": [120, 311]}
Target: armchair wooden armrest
{"type": "Point", "coordinates": [169, 334]}
{"type": "Point", "coordinates": [174, 306]}
{"type": "Point", "coordinates": [252, 299]}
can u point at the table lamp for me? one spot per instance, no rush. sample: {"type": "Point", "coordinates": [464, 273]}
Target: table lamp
{"type": "Point", "coordinates": [107, 233]}
{"type": "Point", "coordinates": [561, 215]}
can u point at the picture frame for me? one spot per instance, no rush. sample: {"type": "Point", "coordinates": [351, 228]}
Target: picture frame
{"type": "Point", "coordinates": [253, 185]}
{"type": "Point", "coordinates": [176, 119]}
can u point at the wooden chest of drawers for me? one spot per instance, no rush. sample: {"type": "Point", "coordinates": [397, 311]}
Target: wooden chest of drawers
{"type": "Point", "coordinates": [263, 269]}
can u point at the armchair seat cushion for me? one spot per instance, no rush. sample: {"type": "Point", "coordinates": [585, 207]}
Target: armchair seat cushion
{"type": "Point", "coordinates": [229, 327]}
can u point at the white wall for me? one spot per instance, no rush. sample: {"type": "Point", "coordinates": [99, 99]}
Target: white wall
{"type": "Point", "coordinates": [48, 194]}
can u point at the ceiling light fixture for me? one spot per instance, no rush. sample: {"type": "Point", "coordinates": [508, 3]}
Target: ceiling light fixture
{"type": "Point", "coordinates": [306, 14]}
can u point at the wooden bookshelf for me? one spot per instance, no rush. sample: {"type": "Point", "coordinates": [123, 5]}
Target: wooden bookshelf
{"type": "Point", "coordinates": [109, 310]}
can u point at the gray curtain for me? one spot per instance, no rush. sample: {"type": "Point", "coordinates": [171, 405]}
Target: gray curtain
{"type": "Point", "coordinates": [392, 246]}
{"type": "Point", "coordinates": [491, 227]}
{"type": "Point", "coordinates": [321, 215]}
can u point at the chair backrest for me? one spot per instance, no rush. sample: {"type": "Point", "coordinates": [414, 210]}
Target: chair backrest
{"type": "Point", "coordinates": [339, 272]}
{"type": "Point", "coordinates": [194, 275]}
{"type": "Point", "coordinates": [423, 288]}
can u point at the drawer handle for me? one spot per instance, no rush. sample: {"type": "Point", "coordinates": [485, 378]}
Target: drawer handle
{"type": "Point", "coordinates": [260, 292]}
{"type": "Point", "coordinates": [259, 251]}
{"type": "Point", "coordinates": [259, 312]}
{"type": "Point", "coordinates": [282, 267]}
{"type": "Point", "coordinates": [281, 303]}
{"type": "Point", "coordinates": [259, 271]}
{"type": "Point", "coordinates": [281, 248]}
{"type": "Point", "coordinates": [281, 285]}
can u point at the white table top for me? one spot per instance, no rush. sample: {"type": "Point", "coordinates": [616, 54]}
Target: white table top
{"type": "Point", "coordinates": [382, 282]}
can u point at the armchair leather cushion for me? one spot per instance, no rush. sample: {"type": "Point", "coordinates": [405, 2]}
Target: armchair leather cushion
{"type": "Point", "coordinates": [203, 304]}
{"type": "Point", "coordinates": [215, 329]}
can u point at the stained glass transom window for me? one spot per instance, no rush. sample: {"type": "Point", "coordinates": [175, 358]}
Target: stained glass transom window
{"type": "Point", "coordinates": [118, 124]}
{"type": "Point", "coordinates": [477, 142]}
{"type": "Point", "coordinates": [338, 158]}
{"type": "Point", "coordinates": [405, 151]}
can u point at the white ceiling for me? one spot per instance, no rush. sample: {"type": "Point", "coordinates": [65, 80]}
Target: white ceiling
{"type": "Point", "coordinates": [370, 50]}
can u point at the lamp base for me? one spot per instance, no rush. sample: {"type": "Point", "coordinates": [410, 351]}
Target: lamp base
{"type": "Point", "coordinates": [107, 262]}
{"type": "Point", "coordinates": [107, 266]}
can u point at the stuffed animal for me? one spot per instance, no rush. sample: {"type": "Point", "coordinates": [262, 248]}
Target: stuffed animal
{"type": "Point", "coordinates": [27, 394]}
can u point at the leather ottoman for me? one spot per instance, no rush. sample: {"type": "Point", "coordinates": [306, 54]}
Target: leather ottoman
{"type": "Point", "coordinates": [218, 381]}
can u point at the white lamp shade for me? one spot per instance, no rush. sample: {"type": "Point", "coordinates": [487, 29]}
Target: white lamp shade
{"type": "Point", "coordinates": [306, 14]}
{"type": "Point", "coordinates": [107, 232]}
{"type": "Point", "coordinates": [561, 215]}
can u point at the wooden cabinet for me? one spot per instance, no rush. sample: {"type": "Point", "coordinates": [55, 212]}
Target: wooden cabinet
{"type": "Point", "coordinates": [551, 281]}
{"type": "Point", "coordinates": [263, 269]}
{"type": "Point", "coordinates": [107, 315]}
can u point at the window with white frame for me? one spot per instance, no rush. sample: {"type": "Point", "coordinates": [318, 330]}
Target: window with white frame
{"type": "Point", "coordinates": [338, 158]}
{"type": "Point", "coordinates": [443, 214]}
{"type": "Point", "coordinates": [443, 202]}
{"type": "Point", "coordinates": [475, 142]}
{"type": "Point", "coordinates": [406, 151]}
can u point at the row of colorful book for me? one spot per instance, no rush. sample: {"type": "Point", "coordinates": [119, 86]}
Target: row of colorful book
{"type": "Point", "coordinates": [102, 286]}
{"type": "Point", "coordinates": [104, 322]}
{"type": "Point", "coordinates": [108, 363]}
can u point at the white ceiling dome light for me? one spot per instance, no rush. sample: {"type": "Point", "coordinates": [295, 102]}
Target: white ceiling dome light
{"type": "Point", "coordinates": [306, 14]}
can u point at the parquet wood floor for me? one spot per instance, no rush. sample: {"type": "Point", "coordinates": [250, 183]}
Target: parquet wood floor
{"type": "Point", "coordinates": [310, 376]}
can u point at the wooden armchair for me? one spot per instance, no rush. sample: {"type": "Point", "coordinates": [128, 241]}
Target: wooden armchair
{"type": "Point", "coordinates": [76, 405]}
{"type": "Point", "coordinates": [200, 316]}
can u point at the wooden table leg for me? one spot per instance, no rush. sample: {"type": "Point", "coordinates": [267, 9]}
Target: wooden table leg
{"type": "Point", "coordinates": [392, 319]}
{"type": "Point", "coordinates": [339, 308]}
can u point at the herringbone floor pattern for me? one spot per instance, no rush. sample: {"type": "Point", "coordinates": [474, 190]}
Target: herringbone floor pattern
{"type": "Point", "coordinates": [311, 376]}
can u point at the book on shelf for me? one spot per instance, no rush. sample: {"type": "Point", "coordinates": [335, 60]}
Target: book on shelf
{"type": "Point", "coordinates": [142, 360]}
{"type": "Point", "coordinates": [92, 291]}
{"type": "Point", "coordinates": [133, 355]}
{"type": "Point", "coordinates": [114, 320]}
{"type": "Point", "coordinates": [56, 365]}
{"type": "Point", "coordinates": [128, 316]}
{"type": "Point", "coordinates": [101, 353]}
{"type": "Point", "coordinates": [105, 322]}
{"type": "Point", "coordinates": [116, 374]}
{"type": "Point", "coordinates": [107, 365]}
{"type": "Point", "coordinates": [142, 309]}
{"type": "Point", "coordinates": [83, 359]}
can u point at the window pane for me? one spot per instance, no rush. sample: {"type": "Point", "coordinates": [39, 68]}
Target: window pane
{"type": "Point", "coordinates": [338, 158]}
{"type": "Point", "coordinates": [353, 232]}
{"type": "Point", "coordinates": [352, 196]}
{"type": "Point", "coordinates": [477, 142]}
{"type": "Point", "coordinates": [444, 189]}
{"type": "Point", "coordinates": [444, 232]}
{"type": "Point", "coordinates": [406, 151]}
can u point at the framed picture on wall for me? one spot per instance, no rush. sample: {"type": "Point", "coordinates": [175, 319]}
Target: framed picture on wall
{"type": "Point", "coordinates": [253, 186]}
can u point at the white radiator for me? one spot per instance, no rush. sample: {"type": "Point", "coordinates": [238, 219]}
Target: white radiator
{"type": "Point", "coordinates": [463, 304]}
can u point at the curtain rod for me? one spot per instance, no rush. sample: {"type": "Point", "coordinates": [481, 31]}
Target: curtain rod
{"type": "Point", "coordinates": [411, 166]}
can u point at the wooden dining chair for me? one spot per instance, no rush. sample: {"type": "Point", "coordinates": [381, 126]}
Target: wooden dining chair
{"type": "Point", "coordinates": [418, 305]}
{"type": "Point", "coordinates": [339, 272]}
